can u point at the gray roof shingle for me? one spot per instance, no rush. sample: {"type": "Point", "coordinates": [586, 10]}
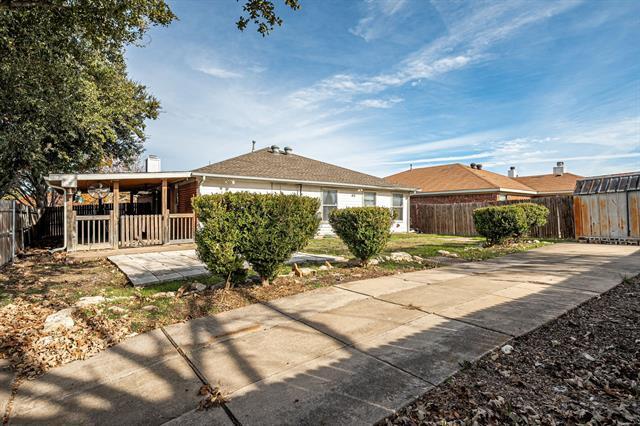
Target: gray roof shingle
{"type": "Point", "coordinates": [265, 164]}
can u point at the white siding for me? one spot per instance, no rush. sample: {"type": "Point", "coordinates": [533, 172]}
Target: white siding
{"type": "Point", "coordinates": [346, 197]}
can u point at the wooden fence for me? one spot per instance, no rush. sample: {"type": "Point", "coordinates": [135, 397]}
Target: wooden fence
{"type": "Point", "coordinates": [141, 230]}
{"type": "Point", "coordinates": [181, 227]}
{"type": "Point", "coordinates": [457, 218]}
{"type": "Point", "coordinates": [17, 228]}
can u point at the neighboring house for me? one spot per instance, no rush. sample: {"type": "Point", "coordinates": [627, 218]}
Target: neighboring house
{"type": "Point", "coordinates": [457, 183]}
{"type": "Point", "coordinates": [272, 170]}
{"type": "Point", "coordinates": [154, 207]}
{"type": "Point", "coordinates": [560, 182]}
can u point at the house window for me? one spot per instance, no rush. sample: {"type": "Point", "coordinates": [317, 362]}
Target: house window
{"type": "Point", "coordinates": [502, 197]}
{"type": "Point", "coordinates": [329, 203]}
{"type": "Point", "coordinates": [398, 209]}
{"type": "Point", "coordinates": [369, 199]}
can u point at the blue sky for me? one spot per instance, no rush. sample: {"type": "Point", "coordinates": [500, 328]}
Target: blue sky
{"type": "Point", "coordinates": [377, 85]}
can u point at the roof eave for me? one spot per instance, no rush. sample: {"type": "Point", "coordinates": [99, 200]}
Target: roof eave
{"type": "Point", "coordinates": [308, 182]}
{"type": "Point", "coordinates": [477, 191]}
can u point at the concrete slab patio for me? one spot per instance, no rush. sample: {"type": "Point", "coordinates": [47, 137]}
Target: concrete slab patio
{"type": "Point", "coordinates": [348, 354]}
{"type": "Point", "coordinates": [160, 266]}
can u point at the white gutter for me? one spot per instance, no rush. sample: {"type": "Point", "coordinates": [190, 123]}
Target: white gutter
{"type": "Point", "coordinates": [309, 182]}
{"type": "Point", "coordinates": [115, 176]}
{"type": "Point", "coordinates": [64, 209]}
{"type": "Point", "coordinates": [477, 191]}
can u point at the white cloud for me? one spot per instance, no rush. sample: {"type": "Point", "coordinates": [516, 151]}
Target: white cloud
{"type": "Point", "coordinates": [467, 41]}
{"type": "Point", "coordinates": [380, 103]}
{"type": "Point", "coordinates": [376, 20]}
{"type": "Point", "coordinates": [218, 72]}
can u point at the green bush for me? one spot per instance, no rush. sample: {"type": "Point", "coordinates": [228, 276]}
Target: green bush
{"type": "Point", "coordinates": [364, 230]}
{"type": "Point", "coordinates": [536, 214]}
{"type": "Point", "coordinates": [267, 228]}
{"type": "Point", "coordinates": [217, 239]}
{"type": "Point", "coordinates": [498, 224]}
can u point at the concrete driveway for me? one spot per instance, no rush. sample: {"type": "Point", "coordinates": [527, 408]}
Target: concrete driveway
{"type": "Point", "coordinates": [348, 354]}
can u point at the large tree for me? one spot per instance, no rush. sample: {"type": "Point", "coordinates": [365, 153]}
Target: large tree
{"type": "Point", "coordinates": [66, 102]}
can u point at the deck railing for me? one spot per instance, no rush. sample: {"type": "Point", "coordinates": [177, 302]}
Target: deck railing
{"type": "Point", "coordinates": [141, 230]}
{"type": "Point", "coordinates": [181, 227]}
{"type": "Point", "coordinates": [93, 232]}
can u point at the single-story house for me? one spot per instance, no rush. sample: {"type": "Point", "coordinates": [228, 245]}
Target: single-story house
{"type": "Point", "coordinates": [559, 182]}
{"type": "Point", "coordinates": [158, 207]}
{"type": "Point", "coordinates": [457, 183]}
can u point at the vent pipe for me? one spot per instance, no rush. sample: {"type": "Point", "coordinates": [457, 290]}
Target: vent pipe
{"type": "Point", "coordinates": [253, 146]}
{"type": "Point", "coordinates": [559, 170]}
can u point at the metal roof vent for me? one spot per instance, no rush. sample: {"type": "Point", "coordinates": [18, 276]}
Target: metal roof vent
{"type": "Point", "coordinates": [472, 165]}
{"type": "Point", "coordinates": [275, 149]}
{"type": "Point", "coordinates": [288, 150]}
{"type": "Point", "coordinates": [479, 166]}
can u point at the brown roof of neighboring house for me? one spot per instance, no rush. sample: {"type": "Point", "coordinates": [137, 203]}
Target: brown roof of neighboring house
{"type": "Point", "coordinates": [265, 164]}
{"type": "Point", "coordinates": [456, 178]}
{"type": "Point", "coordinates": [551, 183]}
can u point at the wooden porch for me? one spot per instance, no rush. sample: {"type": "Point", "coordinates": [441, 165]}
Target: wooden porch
{"type": "Point", "coordinates": [157, 211]}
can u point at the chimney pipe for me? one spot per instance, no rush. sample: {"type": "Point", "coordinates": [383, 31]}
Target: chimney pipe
{"type": "Point", "coordinates": [513, 172]}
{"type": "Point", "coordinates": [253, 146]}
{"type": "Point", "coordinates": [559, 169]}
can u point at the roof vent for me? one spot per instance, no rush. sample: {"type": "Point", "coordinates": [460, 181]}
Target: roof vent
{"type": "Point", "coordinates": [275, 149]}
{"type": "Point", "coordinates": [513, 172]}
{"type": "Point", "coordinates": [479, 166]}
{"type": "Point", "coordinates": [559, 170]}
{"type": "Point", "coordinates": [472, 165]}
{"type": "Point", "coordinates": [288, 150]}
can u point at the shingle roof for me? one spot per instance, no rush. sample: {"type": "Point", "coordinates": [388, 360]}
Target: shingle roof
{"type": "Point", "coordinates": [455, 177]}
{"type": "Point", "coordinates": [551, 183]}
{"type": "Point", "coordinates": [291, 167]}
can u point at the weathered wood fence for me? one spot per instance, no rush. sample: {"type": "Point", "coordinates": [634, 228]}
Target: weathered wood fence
{"type": "Point", "coordinates": [17, 228]}
{"type": "Point", "coordinates": [457, 218]}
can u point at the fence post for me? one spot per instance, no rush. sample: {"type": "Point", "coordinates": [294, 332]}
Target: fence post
{"type": "Point", "coordinates": [13, 230]}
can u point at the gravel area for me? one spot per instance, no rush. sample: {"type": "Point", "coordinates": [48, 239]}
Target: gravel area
{"type": "Point", "coordinates": [583, 368]}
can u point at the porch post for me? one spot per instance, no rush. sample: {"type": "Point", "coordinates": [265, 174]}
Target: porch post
{"type": "Point", "coordinates": [71, 223]}
{"type": "Point", "coordinates": [165, 213]}
{"type": "Point", "coordinates": [115, 225]}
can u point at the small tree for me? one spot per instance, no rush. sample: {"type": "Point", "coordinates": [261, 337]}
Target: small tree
{"type": "Point", "coordinates": [365, 230]}
{"type": "Point", "coordinates": [498, 224]}
{"type": "Point", "coordinates": [217, 239]}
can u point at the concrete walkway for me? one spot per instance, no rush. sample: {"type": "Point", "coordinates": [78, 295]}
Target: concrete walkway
{"type": "Point", "coordinates": [159, 266]}
{"type": "Point", "coordinates": [348, 354]}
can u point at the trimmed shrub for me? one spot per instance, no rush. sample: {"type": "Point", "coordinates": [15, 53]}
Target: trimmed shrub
{"type": "Point", "coordinates": [273, 227]}
{"type": "Point", "coordinates": [217, 239]}
{"type": "Point", "coordinates": [263, 229]}
{"type": "Point", "coordinates": [536, 214]}
{"type": "Point", "coordinates": [364, 230]}
{"type": "Point", "coordinates": [498, 224]}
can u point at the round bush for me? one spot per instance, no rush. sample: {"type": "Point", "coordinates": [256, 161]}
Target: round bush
{"type": "Point", "coordinates": [217, 239]}
{"type": "Point", "coordinates": [266, 229]}
{"type": "Point", "coordinates": [535, 214]}
{"type": "Point", "coordinates": [498, 224]}
{"type": "Point", "coordinates": [364, 230]}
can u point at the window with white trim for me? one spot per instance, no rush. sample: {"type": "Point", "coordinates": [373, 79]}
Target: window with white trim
{"type": "Point", "coordinates": [369, 199]}
{"type": "Point", "coordinates": [329, 203]}
{"type": "Point", "coordinates": [398, 206]}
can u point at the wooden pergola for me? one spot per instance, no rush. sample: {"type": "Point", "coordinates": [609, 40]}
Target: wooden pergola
{"type": "Point", "coordinates": [111, 226]}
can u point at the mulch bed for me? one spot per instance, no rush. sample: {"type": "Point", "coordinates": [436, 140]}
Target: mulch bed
{"type": "Point", "coordinates": [583, 368]}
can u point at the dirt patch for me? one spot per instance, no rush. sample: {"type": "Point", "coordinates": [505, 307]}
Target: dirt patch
{"type": "Point", "coordinates": [582, 368]}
